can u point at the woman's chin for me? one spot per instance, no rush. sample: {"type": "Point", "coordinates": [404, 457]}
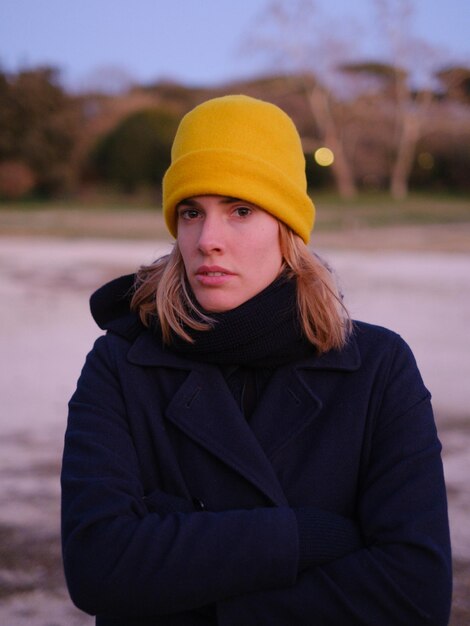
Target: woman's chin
{"type": "Point", "coordinates": [216, 301]}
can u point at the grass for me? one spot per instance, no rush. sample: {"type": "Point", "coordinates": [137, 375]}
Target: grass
{"type": "Point", "coordinates": [369, 211]}
{"type": "Point", "coordinates": [124, 219]}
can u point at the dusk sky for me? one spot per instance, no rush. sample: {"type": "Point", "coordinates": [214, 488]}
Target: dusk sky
{"type": "Point", "coordinates": [190, 41]}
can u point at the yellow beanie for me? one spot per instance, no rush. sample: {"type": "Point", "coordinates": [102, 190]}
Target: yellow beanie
{"type": "Point", "coordinates": [245, 148]}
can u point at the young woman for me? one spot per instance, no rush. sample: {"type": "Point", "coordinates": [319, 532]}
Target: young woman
{"type": "Point", "coordinates": [239, 452]}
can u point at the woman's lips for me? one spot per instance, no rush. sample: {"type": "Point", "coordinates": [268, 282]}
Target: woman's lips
{"type": "Point", "coordinates": [213, 276]}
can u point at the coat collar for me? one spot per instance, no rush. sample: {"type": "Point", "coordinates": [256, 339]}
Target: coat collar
{"type": "Point", "coordinates": [205, 410]}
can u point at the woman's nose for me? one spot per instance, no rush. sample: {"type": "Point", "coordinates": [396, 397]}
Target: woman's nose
{"type": "Point", "coordinates": [211, 237]}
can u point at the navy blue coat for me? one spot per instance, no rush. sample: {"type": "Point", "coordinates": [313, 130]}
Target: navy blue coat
{"type": "Point", "coordinates": [172, 502]}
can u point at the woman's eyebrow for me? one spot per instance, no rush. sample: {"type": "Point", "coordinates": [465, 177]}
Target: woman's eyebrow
{"type": "Point", "coordinates": [230, 199]}
{"type": "Point", "coordinates": [187, 202]}
{"type": "Point", "coordinates": [191, 202]}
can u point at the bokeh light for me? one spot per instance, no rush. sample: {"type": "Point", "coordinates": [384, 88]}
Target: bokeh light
{"type": "Point", "coordinates": [425, 160]}
{"type": "Point", "coordinates": [324, 156]}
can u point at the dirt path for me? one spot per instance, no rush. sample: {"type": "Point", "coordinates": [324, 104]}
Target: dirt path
{"type": "Point", "coordinates": [45, 332]}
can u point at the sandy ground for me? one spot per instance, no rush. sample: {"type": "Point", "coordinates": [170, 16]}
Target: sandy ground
{"type": "Point", "coordinates": [46, 331]}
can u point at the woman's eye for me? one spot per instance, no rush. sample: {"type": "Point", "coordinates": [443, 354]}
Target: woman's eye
{"type": "Point", "coordinates": [188, 214]}
{"type": "Point", "coordinates": [243, 211]}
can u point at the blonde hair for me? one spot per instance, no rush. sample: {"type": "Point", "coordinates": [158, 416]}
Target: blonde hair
{"type": "Point", "coordinates": [161, 292]}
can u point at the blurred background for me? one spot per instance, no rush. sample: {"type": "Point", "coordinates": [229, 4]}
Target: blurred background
{"type": "Point", "coordinates": [90, 96]}
{"type": "Point", "coordinates": [91, 93]}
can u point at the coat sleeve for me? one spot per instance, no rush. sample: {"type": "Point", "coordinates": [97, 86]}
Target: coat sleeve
{"type": "Point", "coordinates": [127, 555]}
{"type": "Point", "coordinates": [403, 575]}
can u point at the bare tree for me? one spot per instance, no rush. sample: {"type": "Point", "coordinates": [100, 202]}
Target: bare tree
{"type": "Point", "coordinates": [411, 102]}
{"type": "Point", "coordinates": [298, 39]}
{"type": "Point", "coordinates": [456, 80]}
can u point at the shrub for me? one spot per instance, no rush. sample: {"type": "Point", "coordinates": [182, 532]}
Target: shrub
{"type": "Point", "coordinates": [16, 179]}
{"type": "Point", "coordinates": [137, 151]}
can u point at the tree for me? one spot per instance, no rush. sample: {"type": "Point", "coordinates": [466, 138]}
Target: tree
{"type": "Point", "coordinates": [456, 80]}
{"type": "Point", "coordinates": [411, 104]}
{"type": "Point", "coordinates": [38, 127]}
{"type": "Point", "coordinates": [296, 36]}
{"type": "Point", "coordinates": [407, 110]}
{"type": "Point", "coordinates": [300, 39]}
{"type": "Point", "coordinates": [137, 151]}
{"type": "Point", "coordinates": [16, 179]}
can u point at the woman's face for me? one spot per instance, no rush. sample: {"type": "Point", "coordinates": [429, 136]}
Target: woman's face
{"type": "Point", "coordinates": [230, 249]}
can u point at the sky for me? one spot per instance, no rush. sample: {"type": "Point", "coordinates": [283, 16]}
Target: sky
{"type": "Point", "coordinates": [195, 42]}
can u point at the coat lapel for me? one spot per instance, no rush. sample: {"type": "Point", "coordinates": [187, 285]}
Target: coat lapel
{"type": "Point", "coordinates": [204, 409]}
{"type": "Point", "coordinates": [285, 410]}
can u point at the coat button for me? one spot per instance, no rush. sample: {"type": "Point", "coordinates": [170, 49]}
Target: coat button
{"type": "Point", "coordinates": [198, 504]}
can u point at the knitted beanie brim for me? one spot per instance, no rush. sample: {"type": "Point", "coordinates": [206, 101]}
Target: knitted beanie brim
{"type": "Point", "coordinates": [232, 174]}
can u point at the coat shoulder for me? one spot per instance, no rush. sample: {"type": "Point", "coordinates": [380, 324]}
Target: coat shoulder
{"type": "Point", "coordinates": [379, 345]}
{"type": "Point", "coordinates": [371, 336]}
{"type": "Point", "coordinates": [387, 353]}
{"type": "Point", "coordinates": [110, 306]}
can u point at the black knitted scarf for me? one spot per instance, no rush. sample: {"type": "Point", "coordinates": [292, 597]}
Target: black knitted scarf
{"type": "Point", "coordinates": [262, 332]}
